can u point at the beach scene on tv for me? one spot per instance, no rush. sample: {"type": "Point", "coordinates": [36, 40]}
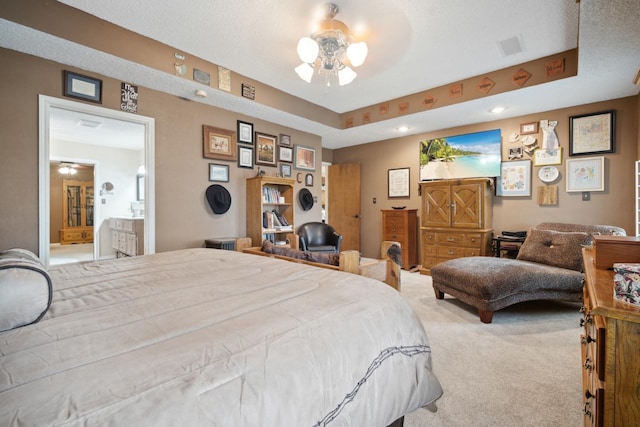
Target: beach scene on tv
{"type": "Point", "coordinates": [471, 155]}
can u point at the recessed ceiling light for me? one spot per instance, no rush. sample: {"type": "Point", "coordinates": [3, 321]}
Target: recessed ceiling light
{"type": "Point", "coordinates": [402, 128]}
{"type": "Point", "coordinates": [497, 110]}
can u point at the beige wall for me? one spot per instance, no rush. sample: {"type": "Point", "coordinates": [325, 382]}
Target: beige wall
{"type": "Point", "coordinates": [614, 206]}
{"type": "Point", "coordinates": [183, 219]}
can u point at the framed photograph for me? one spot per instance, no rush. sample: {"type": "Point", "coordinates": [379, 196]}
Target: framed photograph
{"type": "Point", "coordinates": [219, 144]}
{"type": "Point", "coordinates": [516, 153]}
{"type": "Point", "coordinates": [245, 132]}
{"type": "Point", "coordinates": [218, 173]}
{"type": "Point", "coordinates": [308, 180]}
{"type": "Point", "coordinates": [528, 128]}
{"type": "Point", "coordinates": [284, 140]}
{"type": "Point", "coordinates": [245, 157]}
{"type": "Point", "coordinates": [305, 158]}
{"type": "Point", "coordinates": [592, 133]}
{"type": "Point", "coordinates": [82, 87]}
{"type": "Point", "coordinates": [285, 170]}
{"type": "Point", "coordinates": [265, 149]}
{"type": "Point", "coordinates": [514, 179]}
{"type": "Point", "coordinates": [286, 154]}
{"type": "Point", "coordinates": [549, 156]}
{"type": "Point", "coordinates": [398, 182]}
{"type": "Point", "coordinates": [586, 174]}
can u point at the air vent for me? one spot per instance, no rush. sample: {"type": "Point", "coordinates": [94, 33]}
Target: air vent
{"type": "Point", "coordinates": [510, 46]}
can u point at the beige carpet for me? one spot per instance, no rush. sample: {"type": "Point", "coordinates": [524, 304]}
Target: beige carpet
{"type": "Point", "coordinates": [524, 369]}
{"type": "Point", "coordinates": [65, 254]}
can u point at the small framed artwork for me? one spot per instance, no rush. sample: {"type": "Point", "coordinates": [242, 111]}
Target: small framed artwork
{"type": "Point", "coordinates": [305, 158]}
{"type": "Point", "coordinates": [286, 154]}
{"type": "Point", "coordinates": [265, 149]}
{"type": "Point", "coordinates": [398, 182]}
{"type": "Point", "coordinates": [284, 140]}
{"type": "Point", "coordinates": [529, 128]}
{"type": "Point", "coordinates": [308, 180]}
{"type": "Point", "coordinates": [514, 179]}
{"type": "Point", "coordinates": [218, 173]}
{"type": "Point", "coordinates": [285, 170]}
{"type": "Point", "coordinates": [592, 133]}
{"type": "Point", "coordinates": [547, 156]}
{"type": "Point", "coordinates": [245, 157]}
{"type": "Point", "coordinates": [219, 144]}
{"type": "Point", "coordinates": [515, 153]}
{"type": "Point", "coordinates": [245, 132]}
{"type": "Point", "coordinates": [586, 174]}
{"type": "Point", "coordinates": [82, 87]}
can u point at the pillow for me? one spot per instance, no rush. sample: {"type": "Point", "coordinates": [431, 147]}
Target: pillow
{"type": "Point", "coordinates": [555, 248]}
{"type": "Point", "coordinates": [25, 289]}
{"type": "Point", "coordinates": [323, 258]}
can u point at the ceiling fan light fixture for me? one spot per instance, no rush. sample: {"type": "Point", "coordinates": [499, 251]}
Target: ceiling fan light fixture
{"type": "Point", "coordinates": [308, 50]}
{"type": "Point", "coordinates": [346, 75]}
{"type": "Point", "coordinates": [305, 71]}
{"type": "Point", "coordinates": [357, 53]}
{"type": "Point", "coordinates": [329, 49]}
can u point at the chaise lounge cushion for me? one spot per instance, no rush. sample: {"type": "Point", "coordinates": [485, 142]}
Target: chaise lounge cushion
{"type": "Point", "coordinates": [555, 248]}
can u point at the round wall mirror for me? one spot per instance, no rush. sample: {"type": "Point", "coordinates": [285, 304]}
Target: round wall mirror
{"type": "Point", "coordinates": [107, 186]}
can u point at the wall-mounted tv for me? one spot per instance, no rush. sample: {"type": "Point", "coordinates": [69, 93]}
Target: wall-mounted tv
{"type": "Point", "coordinates": [472, 155]}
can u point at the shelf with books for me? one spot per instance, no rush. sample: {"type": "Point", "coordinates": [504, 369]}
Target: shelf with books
{"type": "Point", "coordinates": [270, 209]}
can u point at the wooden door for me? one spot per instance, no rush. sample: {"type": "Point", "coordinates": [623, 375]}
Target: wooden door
{"type": "Point", "coordinates": [466, 206]}
{"type": "Point", "coordinates": [343, 210]}
{"type": "Point", "coordinates": [436, 209]}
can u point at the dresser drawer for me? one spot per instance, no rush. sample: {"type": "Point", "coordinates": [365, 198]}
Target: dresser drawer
{"type": "Point", "coordinates": [472, 252]}
{"type": "Point", "coordinates": [450, 239]}
{"type": "Point", "coordinates": [449, 252]}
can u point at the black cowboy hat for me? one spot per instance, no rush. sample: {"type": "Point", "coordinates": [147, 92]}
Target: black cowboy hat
{"type": "Point", "coordinates": [219, 198]}
{"type": "Point", "coordinates": [306, 199]}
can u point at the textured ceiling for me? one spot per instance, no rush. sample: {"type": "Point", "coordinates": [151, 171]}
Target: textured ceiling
{"type": "Point", "coordinates": [413, 46]}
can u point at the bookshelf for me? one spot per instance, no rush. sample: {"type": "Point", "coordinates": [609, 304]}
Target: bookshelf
{"type": "Point", "coordinates": [270, 204]}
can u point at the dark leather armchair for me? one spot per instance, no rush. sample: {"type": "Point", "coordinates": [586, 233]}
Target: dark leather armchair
{"type": "Point", "coordinates": [319, 237]}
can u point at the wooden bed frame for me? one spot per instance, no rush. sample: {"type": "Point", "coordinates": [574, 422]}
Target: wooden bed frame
{"type": "Point", "coordinates": [386, 269]}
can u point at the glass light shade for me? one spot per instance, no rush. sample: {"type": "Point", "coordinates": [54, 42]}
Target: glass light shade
{"type": "Point", "coordinates": [308, 49]}
{"type": "Point", "coordinates": [346, 76]}
{"type": "Point", "coordinates": [357, 53]}
{"type": "Point", "coordinates": [66, 170]}
{"type": "Point", "coordinates": [305, 71]}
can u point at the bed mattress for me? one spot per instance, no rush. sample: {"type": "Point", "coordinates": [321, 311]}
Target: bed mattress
{"type": "Point", "coordinates": [210, 337]}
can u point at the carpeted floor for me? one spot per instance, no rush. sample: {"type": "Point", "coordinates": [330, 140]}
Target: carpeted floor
{"type": "Point", "coordinates": [64, 254]}
{"type": "Point", "coordinates": [524, 369]}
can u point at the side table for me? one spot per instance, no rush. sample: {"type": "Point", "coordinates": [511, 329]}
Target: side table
{"type": "Point", "coordinates": [508, 244]}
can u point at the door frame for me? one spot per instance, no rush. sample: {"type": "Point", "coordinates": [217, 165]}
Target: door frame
{"type": "Point", "coordinates": [45, 104]}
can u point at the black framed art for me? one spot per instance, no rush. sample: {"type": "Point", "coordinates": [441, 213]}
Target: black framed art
{"type": "Point", "coordinates": [592, 133]}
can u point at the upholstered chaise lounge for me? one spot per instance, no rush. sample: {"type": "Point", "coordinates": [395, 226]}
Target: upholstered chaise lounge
{"type": "Point", "coordinates": [548, 266]}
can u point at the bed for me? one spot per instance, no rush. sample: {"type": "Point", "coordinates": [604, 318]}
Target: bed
{"type": "Point", "coordinates": [210, 337]}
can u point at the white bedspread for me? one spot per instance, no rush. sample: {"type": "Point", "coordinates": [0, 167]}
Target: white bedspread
{"type": "Point", "coordinates": [218, 338]}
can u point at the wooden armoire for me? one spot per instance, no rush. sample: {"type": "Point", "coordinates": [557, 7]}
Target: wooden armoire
{"type": "Point", "coordinates": [455, 220]}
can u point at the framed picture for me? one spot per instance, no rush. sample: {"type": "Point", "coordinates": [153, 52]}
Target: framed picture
{"type": "Point", "coordinates": [514, 179]}
{"type": "Point", "coordinates": [245, 157]}
{"type": "Point", "coordinates": [586, 174]}
{"type": "Point", "coordinates": [308, 180]}
{"type": "Point", "coordinates": [305, 158]}
{"type": "Point", "coordinates": [515, 153]}
{"type": "Point", "coordinates": [398, 182]}
{"type": "Point", "coordinates": [549, 156]}
{"type": "Point", "coordinates": [284, 140]}
{"type": "Point", "coordinates": [218, 173]}
{"type": "Point", "coordinates": [245, 132]}
{"type": "Point", "coordinates": [528, 128]}
{"type": "Point", "coordinates": [286, 154]}
{"type": "Point", "coordinates": [592, 133]}
{"type": "Point", "coordinates": [285, 170]}
{"type": "Point", "coordinates": [265, 149]}
{"type": "Point", "coordinates": [219, 144]}
{"type": "Point", "coordinates": [82, 87]}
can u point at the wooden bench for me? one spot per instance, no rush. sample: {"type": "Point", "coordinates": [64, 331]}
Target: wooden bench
{"type": "Point", "coordinates": [386, 269]}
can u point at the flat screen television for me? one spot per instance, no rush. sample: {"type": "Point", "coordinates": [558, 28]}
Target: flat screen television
{"type": "Point", "coordinates": [471, 155]}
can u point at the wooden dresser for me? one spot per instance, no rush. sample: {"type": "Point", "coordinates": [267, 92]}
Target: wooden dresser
{"type": "Point", "coordinates": [401, 225]}
{"type": "Point", "coordinates": [455, 220]}
{"type": "Point", "coordinates": [610, 352]}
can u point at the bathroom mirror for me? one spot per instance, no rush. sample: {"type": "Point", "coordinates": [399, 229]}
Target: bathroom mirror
{"type": "Point", "coordinates": [106, 188]}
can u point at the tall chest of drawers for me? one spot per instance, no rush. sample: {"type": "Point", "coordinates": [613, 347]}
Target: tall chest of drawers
{"type": "Point", "coordinates": [455, 220]}
{"type": "Point", "coordinates": [401, 225]}
{"type": "Point", "coordinates": [610, 352]}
